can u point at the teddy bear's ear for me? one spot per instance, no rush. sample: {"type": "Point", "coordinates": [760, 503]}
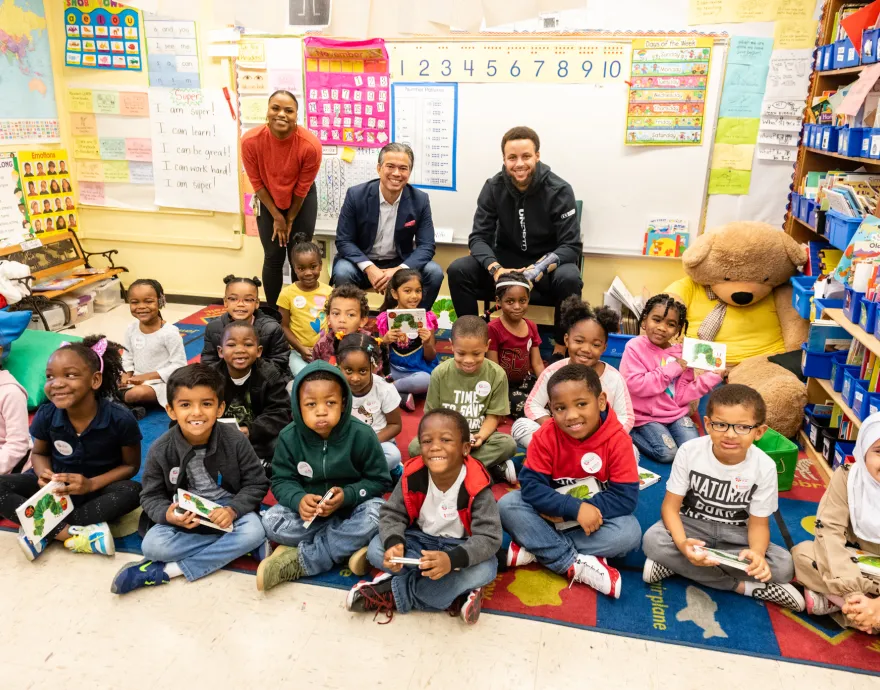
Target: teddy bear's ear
{"type": "Point", "coordinates": [698, 251]}
{"type": "Point", "coordinates": [795, 251]}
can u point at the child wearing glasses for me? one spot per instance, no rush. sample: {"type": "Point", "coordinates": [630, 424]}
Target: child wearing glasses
{"type": "Point", "coordinates": [720, 495]}
{"type": "Point", "coordinates": [242, 301]}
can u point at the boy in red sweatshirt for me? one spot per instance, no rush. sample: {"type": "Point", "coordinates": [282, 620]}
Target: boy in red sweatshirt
{"type": "Point", "coordinates": [579, 487]}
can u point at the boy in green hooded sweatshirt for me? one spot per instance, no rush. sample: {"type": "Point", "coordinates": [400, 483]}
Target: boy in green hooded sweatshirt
{"type": "Point", "coordinates": [328, 476]}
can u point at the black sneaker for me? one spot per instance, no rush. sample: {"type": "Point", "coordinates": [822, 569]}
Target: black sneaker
{"type": "Point", "coordinates": [374, 595]}
{"type": "Point", "coordinates": [786, 596]}
{"type": "Point", "coordinates": [138, 411]}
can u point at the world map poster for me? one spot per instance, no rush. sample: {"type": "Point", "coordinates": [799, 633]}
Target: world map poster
{"type": "Point", "coordinates": [27, 110]}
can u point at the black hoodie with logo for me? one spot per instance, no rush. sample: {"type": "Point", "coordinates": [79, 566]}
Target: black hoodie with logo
{"type": "Point", "coordinates": [517, 228]}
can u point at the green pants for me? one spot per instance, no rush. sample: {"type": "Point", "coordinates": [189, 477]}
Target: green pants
{"type": "Point", "coordinates": [495, 449]}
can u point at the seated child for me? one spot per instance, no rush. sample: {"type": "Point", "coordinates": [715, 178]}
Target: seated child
{"type": "Point", "coordinates": [347, 312]}
{"type": "Point", "coordinates": [660, 383]}
{"type": "Point", "coordinates": [242, 300]}
{"type": "Point", "coordinates": [412, 361]}
{"type": "Point", "coordinates": [583, 441]}
{"type": "Point", "coordinates": [325, 451]}
{"type": "Point", "coordinates": [721, 493]}
{"type": "Point", "coordinates": [848, 518]}
{"type": "Point", "coordinates": [15, 440]}
{"type": "Point", "coordinates": [254, 392]}
{"type": "Point", "coordinates": [88, 441]}
{"type": "Point", "coordinates": [373, 400]}
{"type": "Point", "coordinates": [443, 513]}
{"type": "Point", "coordinates": [153, 347]}
{"type": "Point", "coordinates": [477, 388]}
{"type": "Point", "coordinates": [514, 340]}
{"type": "Point", "coordinates": [215, 462]}
{"type": "Point", "coordinates": [302, 303]}
{"type": "Point", "coordinates": [586, 335]}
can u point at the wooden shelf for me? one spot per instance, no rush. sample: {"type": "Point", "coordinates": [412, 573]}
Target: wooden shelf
{"type": "Point", "coordinates": [854, 159]}
{"type": "Point", "coordinates": [816, 456]}
{"type": "Point", "coordinates": [856, 331]}
{"type": "Point", "coordinates": [835, 72]}
{"type": "Point", "coordinates": [836, 397]}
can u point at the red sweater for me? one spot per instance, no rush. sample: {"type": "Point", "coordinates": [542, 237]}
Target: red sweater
{"type": "Point", "coordinates": [286, 167]}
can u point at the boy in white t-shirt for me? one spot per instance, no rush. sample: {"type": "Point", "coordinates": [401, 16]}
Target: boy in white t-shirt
{"type": "Point", "coordinates": [373, 400]}
{"type": "Point", "coordinates": [720, 495]}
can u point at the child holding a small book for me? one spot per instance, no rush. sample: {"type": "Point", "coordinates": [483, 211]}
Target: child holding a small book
{"type": "Point", "coordinates": [660, 383]}
{"type": "Point", "coordinates": [88, 441]}
{"type": "Point", "coordinates": [580, 469]}
{"type": "Point", "coordinates": [328, 476]}
{"type": "Point", "coordinates": [443, 514]}
{"type": "Point", "coordinates": [848, 518]}
{"type": "Point", "coordinates": [514, 339]}
{"type": "Point", "coordinates": [720, 495]}
{"type": "Point", "coordinates": [214, 462]}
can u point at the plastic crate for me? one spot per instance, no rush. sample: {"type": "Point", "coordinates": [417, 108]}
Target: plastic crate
{"type": "Point", "coordinates": [868, 316]}
{"type": "Point", "coordinates": [869, 45]}
{"type": "Point", "coordinates": [829, 440]}
{"type": "Point", "coordinates": [843, 451]}
{"type": "Point", "coordinates": [823, 303]}
{"type": "Point", "coordinates": [850, 382]}
{"type": "Point", "coordinates": [616, 345]}
{"type": "Point", "coordinates": [849, 141]}
{"type": "Point", "coordinates": [838, 371]}
{"type": "Point", "coordinates": [816, 423]}
{"type": "Point", "coordinates": [839, 229]}
{"type": "Point", "coordinates": [784, 454]}
{"type": "Point", "coordinates": [816, 365]}
{"type": "Point", "coordinates": [852, 304]}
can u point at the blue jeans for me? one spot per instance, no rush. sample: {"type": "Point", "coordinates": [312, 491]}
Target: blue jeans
{"type": "Point", "coordinates": [201, 554]}
{"type": "Point", "coordinates": [558, 550]}
{"type": "Point", "coordinates": [415, 382]}
{"type": "Point", "coordinates": [392, 454]}
{"type": "Point", "coordinates": [344, 271]}
{"type": "Point", "coordinates": [660, 442]}
{"type": "Point", "coordinates": [413, 591]}
{"type": "Point", "coordinates": [328, 540]}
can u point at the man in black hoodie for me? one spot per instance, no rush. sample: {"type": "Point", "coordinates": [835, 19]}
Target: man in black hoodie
{"type": "Point", "coordinates": [523, 213]}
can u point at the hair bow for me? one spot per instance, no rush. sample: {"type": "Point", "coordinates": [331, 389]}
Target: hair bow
{"type": "Point", "coordinates": [99, 348]}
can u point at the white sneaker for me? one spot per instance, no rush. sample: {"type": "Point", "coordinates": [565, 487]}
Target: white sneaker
{"type": "Point", "coordinates": [509, 472]}
{"type": "Point", "coordinates": [654, 572]}
{"type": "Point", "coordinates": [818, 604]}
{"type": "Point", "coordinates": [30, 549]}
{"type": "Point", "coordinates": [596, 573]}
{"type": "Point", "coordinates": [786, 596]}
{"type": "Point", "coordinates": [95, 538]}
{"type": "Point", "coordinates": [517, 555]}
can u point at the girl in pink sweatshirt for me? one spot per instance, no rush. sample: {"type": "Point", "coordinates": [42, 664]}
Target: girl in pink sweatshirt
{"type": "Point", "coordinates": [660, 383]}
{"type": "Point", "coordinates": [15, 439]}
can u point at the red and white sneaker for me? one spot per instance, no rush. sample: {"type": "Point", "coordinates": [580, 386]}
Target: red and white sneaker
{"type": "Point", "coordinates": [470, 609]}
{"type": "Point", "coordinates": [818, 604]}
{"type": "Point", "coordinates": [596, 573]}
{"type": "Point", "coordinates": [517, 555]}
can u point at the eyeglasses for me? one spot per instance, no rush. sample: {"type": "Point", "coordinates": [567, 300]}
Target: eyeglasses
{"type": "Point", "coordinates": [244, 300]}
{"type": "Point", "coordinates": [738, 429]}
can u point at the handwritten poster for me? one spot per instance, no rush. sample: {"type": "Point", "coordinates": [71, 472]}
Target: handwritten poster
{"type": "Point", "coordinates": [102, 35]}
{"type": "Point", "coordinates": [270, 64]}
{"type": "Point", "coordinates": [48, 189]}
{"type": "Point", "coordinates": [347, 91]}
{"type": "Point", "coordinates": [667, 92]}
{"type": "Point", "coordinates": [745, 77]}
{"type": "Point", "coordinates": [172, 53]}
{"type": "Point", "coordinates": [14, 224]}
{"type": "Point", "coordinates": [194, 150]}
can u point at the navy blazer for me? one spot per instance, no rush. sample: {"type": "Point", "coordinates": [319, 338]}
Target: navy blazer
{"type": "Point", "coordinates": [359, 223]}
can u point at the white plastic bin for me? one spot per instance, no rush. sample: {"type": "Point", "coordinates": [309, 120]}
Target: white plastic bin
{"type": "Point", "coordinates": [55, 316]}
{"type": "Point", "coordinates": [108, 294]}
{"type": "Point", "coordinates": [81, 307]}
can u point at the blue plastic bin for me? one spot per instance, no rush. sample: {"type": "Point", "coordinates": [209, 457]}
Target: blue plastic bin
{"type": "Point", "coordinates": [614, 348]}
{"type": "Point", "coordinates": [843, 451]}
{"type": "Point", "coordinates": [829, 137]}
{"type": "Point", "coordinates": [812, 218]}
{"type": "Point", "coordinates": [839, 368]}
{"type": "Point", "coordinates": [795, 202]}
{"type": "Point", "coordinates": [824, 303]}
{"type": "Point", "coordinates": [868, 317]}
{"type": "Point", "coordinates": [860, 400]}
{"type": "Point", "coordinates": [849, 141]}
{"type": "Point", "coordinates": [850, 381]}
{"type": "Point", "coordinates": [869, 406]}
{"type": "Point", "coordinates": [869, 46]}
{"type": "Point", "coordinates": [828, 56]}
{"type": "Point", "coordinates": [845, 54]}
{"type": "Point", "coordinates": [839, 229]}
{"type": "Point", "coordinates": [816, 365]}
{"type": "Point", "coordinates": [852, 304]}
{"type": "Point", "coordinates": [802, 294]}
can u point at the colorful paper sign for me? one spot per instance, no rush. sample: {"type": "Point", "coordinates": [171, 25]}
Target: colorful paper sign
{"type": "Point", "coordinates": [102, 35]}
{"type": "Point", "coordinates": [172, 53]}
{"type": "Point", "coordinates": [48, 189]}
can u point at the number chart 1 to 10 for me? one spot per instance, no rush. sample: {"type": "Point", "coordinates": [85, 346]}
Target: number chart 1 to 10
{"type": "Point", "coordinates": [551, 62]}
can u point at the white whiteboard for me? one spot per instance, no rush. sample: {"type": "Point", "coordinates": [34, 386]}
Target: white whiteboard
{"type": "Point", "coordinates": [582, 140]}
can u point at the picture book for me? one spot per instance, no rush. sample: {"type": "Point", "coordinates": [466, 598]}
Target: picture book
{"type": "Point", "coordinates": [869, 564]}
{"type": "Point", "coordinates": [668, 226]}
{"type": "Point", "coordinates": [56, 284]}
{"type": "Point", "coordinates": [202, 507]}
{"type": "Point", "coordinates": [647, 478]}
{"type": "Point", "coordinates": [827, 336]}
{"type": "Point", "coordinates": [407, 320]}
{"type": "Point", "coordinates": [43, 511]}
{"type": "Point", "coordinates": [665, 244]}
{"type": "Point", "coordinates": [582, 489]}
{"type": "Point", "coordinates": [703, 354]}
{"type": "Point", "coordinates": [723, 557]}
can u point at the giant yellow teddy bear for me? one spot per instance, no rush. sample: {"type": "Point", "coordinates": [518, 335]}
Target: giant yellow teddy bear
{"type": "Point", "coordinates": [737, 293]}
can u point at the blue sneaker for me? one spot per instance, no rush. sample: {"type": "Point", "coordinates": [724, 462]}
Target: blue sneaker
{"type": "Point", "coordinates": [31, 549]}
{"type": "Point", "coordinates": [396, 474]}
{"type": "Point", "coordinates": [262, 552]}
{"type": "Point", "coordinates": [133, 576]}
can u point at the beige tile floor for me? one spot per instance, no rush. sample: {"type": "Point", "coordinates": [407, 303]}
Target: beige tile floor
{"type": "Point", "coordinates": [62, 627]}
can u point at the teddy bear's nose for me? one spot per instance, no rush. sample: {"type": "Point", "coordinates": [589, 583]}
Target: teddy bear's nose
{"type": "Point", "coordinates": [742, 298]}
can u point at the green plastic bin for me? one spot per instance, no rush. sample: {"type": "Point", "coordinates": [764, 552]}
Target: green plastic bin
{"type": "Point", "coordinates": [784, 454]}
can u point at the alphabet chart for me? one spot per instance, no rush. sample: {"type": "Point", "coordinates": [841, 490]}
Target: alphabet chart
{"type": "Point", "coordinates": [102, 35]}
{"type": "Point", "coordinates": [347, 91]}
{"type": "Point", "coordinates": [550, 62]}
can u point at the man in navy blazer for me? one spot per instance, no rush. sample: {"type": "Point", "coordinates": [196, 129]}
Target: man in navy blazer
{"type": "Point", "coordinates": [386, 225]}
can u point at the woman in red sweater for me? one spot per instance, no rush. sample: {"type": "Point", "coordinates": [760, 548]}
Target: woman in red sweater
{"type": "Point", "coordinates": [282, 161]}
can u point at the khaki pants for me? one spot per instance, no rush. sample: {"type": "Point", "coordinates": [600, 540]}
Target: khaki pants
{"type": "Point", "coordinates": [495, 449]}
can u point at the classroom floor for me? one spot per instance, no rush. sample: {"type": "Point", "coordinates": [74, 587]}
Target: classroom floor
{"type": "Point", "coordinates": [66, 629]}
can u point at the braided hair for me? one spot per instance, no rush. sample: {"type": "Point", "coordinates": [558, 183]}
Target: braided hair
{"type": "Point", "coordinates": [112, 361]}
{"type": "Point", "coordinates": [573, 310]}
{"type": "Point", "coordinates": [668, 303]}
{"type": "Point", "coordinates": [359, 342]}
{"type": "Point", "coordinates": [303, 245]}
{"type": "Point", "coordinates": [233, 279]}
